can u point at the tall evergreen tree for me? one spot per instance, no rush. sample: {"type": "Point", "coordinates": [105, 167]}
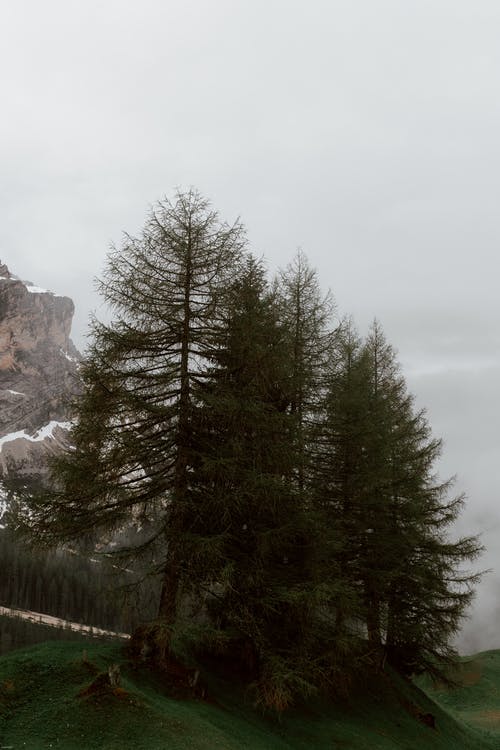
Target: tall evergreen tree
{"type": "Point", "coordinates": [338, 469]}
{"type": "Point", "coordinates": [376, 481]}
{"type": "Point", "coordinates": [133, 452]}
{"type": "Point", "coordinates": [306, 312]}
{"type": "Point", "coordinates": [419, 590]}
{"type": "Point", "coordinates": [254, 541]}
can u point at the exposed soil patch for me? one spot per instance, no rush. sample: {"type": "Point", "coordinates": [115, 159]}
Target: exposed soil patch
{"type": "Point", "coordinates": [468, 679]}
{"type": "Point", "coordinates": [491, 716]}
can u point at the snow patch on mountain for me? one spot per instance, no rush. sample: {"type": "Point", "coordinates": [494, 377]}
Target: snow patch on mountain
{"type": "Point", "coordinates": [36, 289]}
{"type": "Point", "coordinates": [44, 432]}
{"type": "Point", "coordinates": [31, 288]}
{"type": "Point", "coordinates": [69, 357]}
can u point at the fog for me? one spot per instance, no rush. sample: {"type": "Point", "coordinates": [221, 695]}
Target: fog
{"type": "Point", "coordinates": [366, 133]}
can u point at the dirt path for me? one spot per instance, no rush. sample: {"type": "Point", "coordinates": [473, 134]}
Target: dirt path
{"type": "Point", "coordinates": [57, 622]}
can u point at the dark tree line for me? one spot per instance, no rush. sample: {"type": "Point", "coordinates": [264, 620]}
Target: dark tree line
{"type": "Point", "coordinates": [67, 585]}
{"type": "Point", "coordinates": [276, 472]}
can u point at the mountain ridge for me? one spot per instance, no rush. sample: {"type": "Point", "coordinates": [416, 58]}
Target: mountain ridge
{"type": "Point", "coordinates": [38, 374]}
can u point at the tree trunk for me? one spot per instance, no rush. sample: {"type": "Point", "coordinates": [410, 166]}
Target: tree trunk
{"type": "Point", "coordinates": [170, 586]}
{"type": "Point", "coordinates": [171, 577]}
{"type": "Point", "coordinates": [373, 617]}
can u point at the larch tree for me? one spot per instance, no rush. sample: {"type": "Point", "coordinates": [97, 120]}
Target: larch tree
{"type": "Point", "coordinates": [306, 312]}
{"type": "Point", "coordinates": [255, 543]}
{"type": "Point", "coordinates": [133, 452]}
{"type": "Point", "coordinates": [376, 474]}
{"type": "Point", "coordinates": [417, 587]}
{"type": "Point", "coordinates": [338, 472]}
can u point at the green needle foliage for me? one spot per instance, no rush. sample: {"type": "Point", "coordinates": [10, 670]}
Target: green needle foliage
{"type": "Point", "coordinates": [252, 534]}
{"type": "Point", "coordinates": [375, 477]}
{"type": "Point", "coordinates": [133, 452]}
{"type": "Point", "coordinates": [306, 314]}
{"type": "Point", "coordinates": [416, 588]}
{"type": "Point", "coordinates": [270, 476]}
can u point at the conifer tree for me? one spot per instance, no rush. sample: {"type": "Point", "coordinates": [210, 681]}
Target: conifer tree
{"type": "Point", "coordinates": [418, 586]}
{"type": "Point", "coordinates": [254, 542]}
{"type": "Point", "coordinates": [306, 313]}
{"type": "Point", "coordinates": [133, 452]}
{"type": "Point", "coordinates": [338, 468]}
{"type": "Point", "coordinates": [377, 481]}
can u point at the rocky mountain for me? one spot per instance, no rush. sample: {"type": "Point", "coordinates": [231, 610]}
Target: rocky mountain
{"type": "Point", "coordinates": [38, 374]}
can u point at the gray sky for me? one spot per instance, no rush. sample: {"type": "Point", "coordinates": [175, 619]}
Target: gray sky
{"type": "Point", "coordinates": [365, 131]}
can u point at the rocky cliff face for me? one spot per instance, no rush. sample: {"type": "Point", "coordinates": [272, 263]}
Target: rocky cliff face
{"type": "Point", "coordinates": [38, 374]}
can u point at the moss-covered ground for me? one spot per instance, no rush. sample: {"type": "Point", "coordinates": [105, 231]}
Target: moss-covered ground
{"type": "Point", "coordinates": [45, 702]}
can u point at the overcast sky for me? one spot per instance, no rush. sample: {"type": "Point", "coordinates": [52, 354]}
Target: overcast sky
{"type": "Point", "coordinates": [364, 131]}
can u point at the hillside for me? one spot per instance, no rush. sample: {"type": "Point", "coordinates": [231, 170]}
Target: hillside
{"type": "Point", "coordinates": [476, 698]}
{"type": "Point", "coordinates": [45, 702]}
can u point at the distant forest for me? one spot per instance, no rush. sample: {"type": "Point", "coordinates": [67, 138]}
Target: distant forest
{"type": "Point", "coordinates": [66, 585]}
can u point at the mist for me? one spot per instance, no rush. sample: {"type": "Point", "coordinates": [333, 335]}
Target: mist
{"type": "Point", "coordinates": [365, 133]}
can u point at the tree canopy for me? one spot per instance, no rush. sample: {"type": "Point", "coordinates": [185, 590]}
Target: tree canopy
{"type": "Point", "coordinates": [265, 470]}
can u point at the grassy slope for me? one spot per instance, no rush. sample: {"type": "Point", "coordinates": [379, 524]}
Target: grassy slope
{"type": "Point", "coordinates": [40, 707]}
{"type": "Point", "coordinates": [476, 699]}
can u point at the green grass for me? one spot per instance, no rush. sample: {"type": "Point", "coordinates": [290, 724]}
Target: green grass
{"type": "Point", "coordinates": [476, 698]}
{"type": "Point", "coordinates": [43, 705]}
